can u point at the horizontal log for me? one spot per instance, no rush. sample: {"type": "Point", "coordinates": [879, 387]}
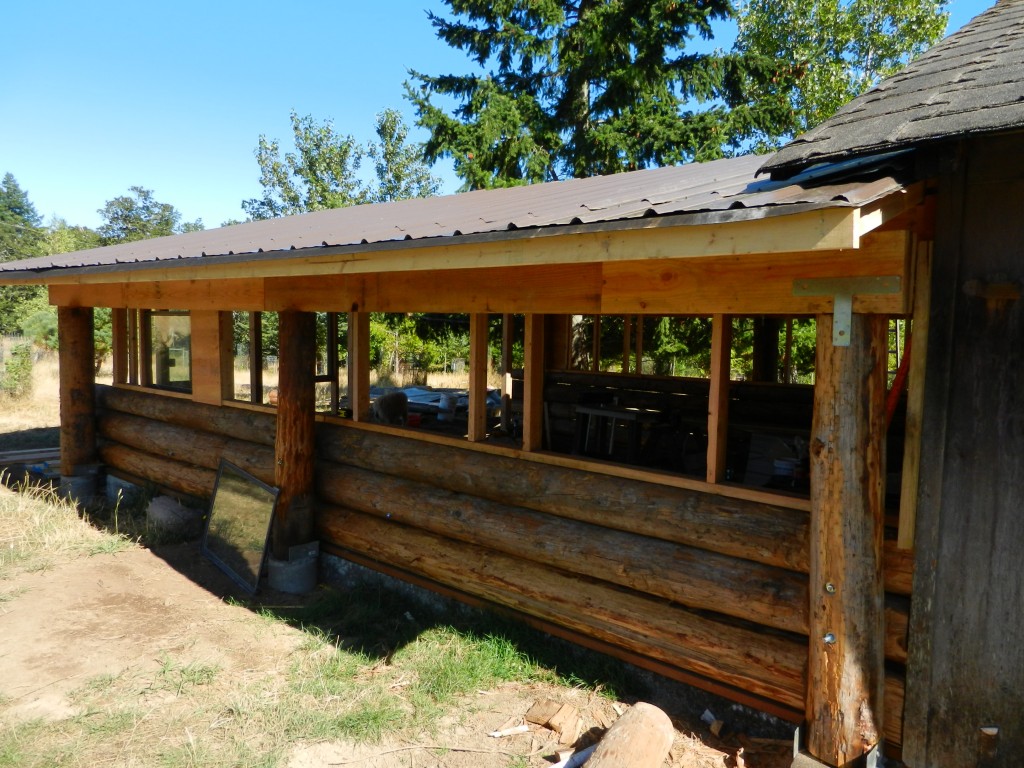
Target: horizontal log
{"type": "Point", "coordinates": [736, 527]}
{"type": "Point", "coordinates": [763, 663]}
{"type": "Point", "coordinates": [240, 423]}
{"type": "Point", "coordinates": [163, 472]}
{"type": "Point", "coordinates": [692, 577]}
{"type": "Point", "coordinates": [187, 445]}
{"type": "Point", "coordinates": [746, 529]}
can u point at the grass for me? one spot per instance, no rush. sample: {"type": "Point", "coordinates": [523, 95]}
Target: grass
{"type": "Point", "coordinates": [368, 665]}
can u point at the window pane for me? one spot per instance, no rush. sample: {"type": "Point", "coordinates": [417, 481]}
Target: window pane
{"type": "Point", "coordinates": [171, 350]}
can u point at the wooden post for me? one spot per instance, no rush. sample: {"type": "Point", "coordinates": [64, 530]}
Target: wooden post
{"type": "Point", "coordinates": [477, 376]}
{"type": "Point", "coordinates": [915, 398]}
{"type": "Point", "coordinates": [359, 365]}
{"type": "Point", "coordinates": [77, 388]}
{"type": "Point", "coordinates": [255, 357]}
{"type": "Point", "coordinates": [627, 341]}
{"type": "Point", "coordinates": [533, 384]}
{"type": "Point", "coordinates": [134, 364]}
{"type": "Point", "coordinates": [506, 372]}
{"type": "Point", "coordinates": [212, 371]}
{"type": "Point", "coordinates": [294, 447]}
{"type": "Point", "coordinates": [718, 396]}
{"type": "Point", "coordinates": [119, 344]}
{"type": "Point", "coordinates": [846, 669]}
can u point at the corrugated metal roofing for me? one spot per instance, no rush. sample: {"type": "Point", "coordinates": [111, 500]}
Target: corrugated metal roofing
{"type": "Point", "coordinates": [970, 83]}
{"type": "Point", "coordinates": [723, 187]}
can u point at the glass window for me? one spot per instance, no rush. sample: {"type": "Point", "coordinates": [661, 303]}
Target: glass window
{"type": "Point", "coordinates": [170, 350]}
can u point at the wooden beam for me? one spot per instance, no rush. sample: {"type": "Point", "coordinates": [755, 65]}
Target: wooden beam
{"type": "Point", "coordinates": [718, 397]}
{"type": "Point", "coordinates": [846, 668]}
{"type": "Point", "coordinates": [915, 398]}
{"type": "Point", "coordinates": [76, 350]}
{"type": "Point", "coordinates": [533, 385]}
{"type": "Point", "coordinates": [359, 365]}
{"type": "Point", "coordinates": [478, 377]}
{"type": "Point", "coordinates": [294, 448]}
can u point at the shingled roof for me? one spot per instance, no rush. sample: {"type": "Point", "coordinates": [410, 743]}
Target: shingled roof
{"type": "Point", "coordinates": [971, 83]}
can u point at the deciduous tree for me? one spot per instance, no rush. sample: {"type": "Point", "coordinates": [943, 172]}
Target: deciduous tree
{"type": "Point", "coordinates": [138, 216]}
{"type": "Point", "coordinates": [835, 50]}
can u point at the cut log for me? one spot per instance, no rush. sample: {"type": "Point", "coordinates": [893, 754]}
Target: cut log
{"type": "Point", "coordinates": [240, 423]}
{"type": "Point", "coordinates": [187, 445]}
{"type": "Point", "coordinates": [165, 473]}
{"type": "Point", "coordinates": [295, 445]}
{"type": "Point", "coordinates": [641, 738]}
{"type": "Point", "coordinates": [750, 530]}
{"type": "Point", "coordinates": [762, 594]}
{"type": "Point", "coordinates": [761, 663]}
{"type": "Point", "coordinates": [77, 389]}
{"type": "Point", "coordinates": [846, 669]}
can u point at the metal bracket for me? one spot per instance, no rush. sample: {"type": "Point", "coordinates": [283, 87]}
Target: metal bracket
{"type": "Point", "coordinates": [842, 290]}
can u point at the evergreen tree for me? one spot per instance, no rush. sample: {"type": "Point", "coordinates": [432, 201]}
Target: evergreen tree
{"type": "Point", "coordinates": [21, 237]}
{"type": "Point", "coordinates": [570, 88]}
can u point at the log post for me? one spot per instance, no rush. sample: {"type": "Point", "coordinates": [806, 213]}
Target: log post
{"type": "Point", "coordinates": [846, 671]}
{"type": "Point", "coordinates": [77, 389]}
{"type": "Point", "coordinates": [533, 384]}
{"type": "Point", "coordinates": [119, 345]}
{"type": "Point", "coordinates": [294, 448]}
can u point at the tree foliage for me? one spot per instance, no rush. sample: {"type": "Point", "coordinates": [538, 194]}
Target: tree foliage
{"type": "Point", "coordinates": [836, 49]}
{"type": "Point", "coordinates": [570, 88]}
{"type": "Point", "coordinates": [323, 171]}
{"type": "Point", "coordinates": [21, 237]}
{"type": "Point", "coordinates": [138, 216]}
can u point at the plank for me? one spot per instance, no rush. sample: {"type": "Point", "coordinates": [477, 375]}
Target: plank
{"type": "Point", "coordinates": [718, 397]}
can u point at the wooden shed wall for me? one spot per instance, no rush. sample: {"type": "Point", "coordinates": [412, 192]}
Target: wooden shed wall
{"type": "Point", "coordinates": [966, 669]}
{"type": "Point", "coordinates": [702, 586]}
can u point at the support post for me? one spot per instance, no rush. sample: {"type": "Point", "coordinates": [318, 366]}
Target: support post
{"type": "Point", "coordinates": [506, 372]}
{"type": "Point", "coordinates": [359, 365]}
{"type": "Point", "coordinates": [77, 389]}
{"type": "Point", "coordinates": [533, 384]}
{"type": "Point", "coordinates": [718, 396]}
{"type": "Point", "coordinates": [294, 448]}
{"type": "Point", "coordinates": [119, 344]}
{"type": "Point", "coordinates": [846, 667]}
{"type": "Point", "coordinates": [477, 376]}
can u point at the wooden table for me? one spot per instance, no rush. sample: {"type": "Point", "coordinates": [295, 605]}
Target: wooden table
{"type": "Point", "coordinates": [605, 418]}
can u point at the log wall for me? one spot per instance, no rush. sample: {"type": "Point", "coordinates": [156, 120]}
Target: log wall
{"type": "Point", "coordinates": [707, 588]}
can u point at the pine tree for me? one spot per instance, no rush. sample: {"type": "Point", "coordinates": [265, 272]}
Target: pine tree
{"type": "Point", "coordinates": [571, 88]}
{"type": "Point", "coordinates": [21, 237]}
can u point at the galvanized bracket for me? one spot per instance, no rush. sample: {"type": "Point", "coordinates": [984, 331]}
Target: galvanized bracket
{"type": "Point", "coordinates": [842, 290]}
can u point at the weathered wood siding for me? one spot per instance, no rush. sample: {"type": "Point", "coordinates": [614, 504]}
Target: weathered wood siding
{"type": "Point", "coordinates": [698, 585]}
{"type": "Point", "coordinates": [966, 668]}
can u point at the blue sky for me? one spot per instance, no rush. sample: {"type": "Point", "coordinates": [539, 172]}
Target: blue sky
{"type": "Point", "coordinates": [102, 96]}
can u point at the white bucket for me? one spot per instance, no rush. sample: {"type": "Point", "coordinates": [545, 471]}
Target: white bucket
{"type": "Point", "coordinates": [446, 407]}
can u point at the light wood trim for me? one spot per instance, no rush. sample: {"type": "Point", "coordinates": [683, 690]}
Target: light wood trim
{"type": "Point", "coordinates": [881, 212]}
{"type": "Point", "coordinates": [477, 377]}
{"type": "Point", "coordinates": [915, 398]}
{"type": "Point", "coordinates": [718, 397]}
{"type": "Point", "coordinates": [207, 362]}
{"type": "Point", "coordinates": [359, 365]}
{"type": "Point", "coordinates": [533, 384]}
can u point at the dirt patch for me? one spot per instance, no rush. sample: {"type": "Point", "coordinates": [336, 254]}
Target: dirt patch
{"type": "Point", "coordinates": [132, 615]}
